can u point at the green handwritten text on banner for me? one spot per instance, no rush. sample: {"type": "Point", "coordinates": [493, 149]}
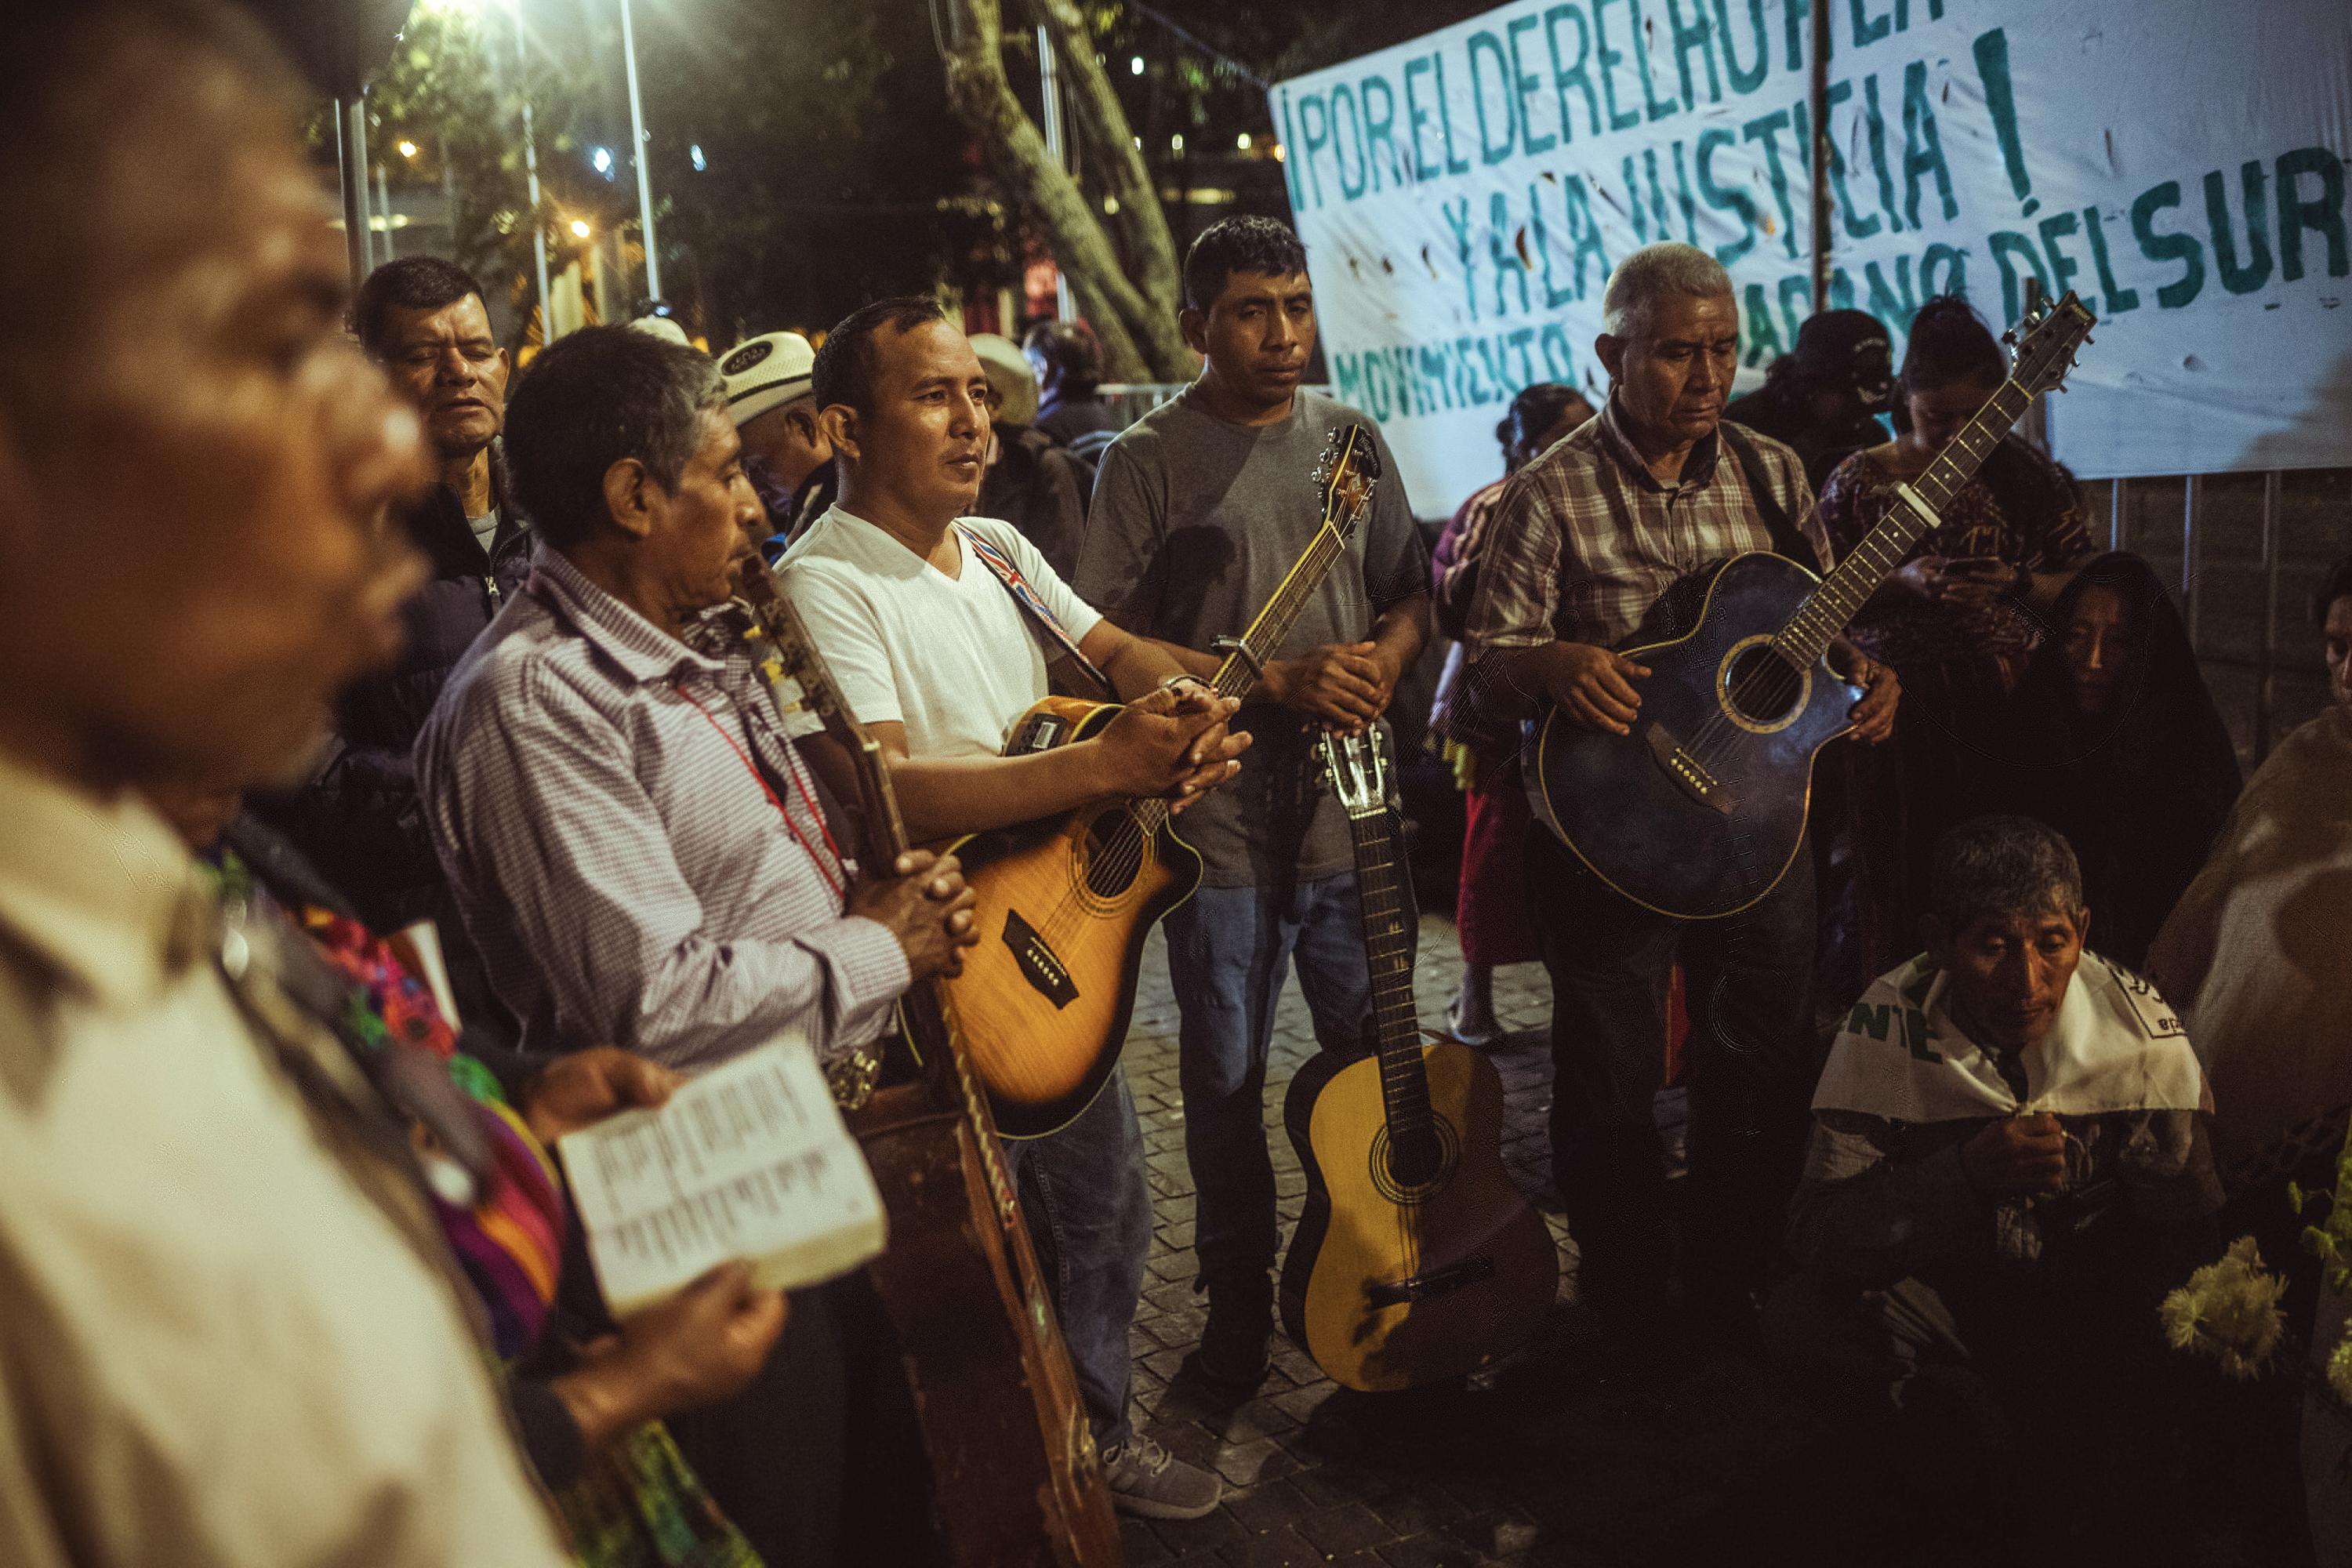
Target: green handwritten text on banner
{"type": "Point", "coordinates": [1464, 197]}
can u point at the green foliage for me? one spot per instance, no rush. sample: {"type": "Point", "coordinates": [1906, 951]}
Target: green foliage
{"type": "Point", "coordinates": [831, 171]}
{"type": "Point", "coordinates": [2330, 1241]}
{"type": "Point", "coordinates": [834, 170]}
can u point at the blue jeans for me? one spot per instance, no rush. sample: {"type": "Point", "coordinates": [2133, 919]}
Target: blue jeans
{"type": "Point", "coordinates": [1229, 950]}
{"type": "Point", "coordinates": [1089, 1213]}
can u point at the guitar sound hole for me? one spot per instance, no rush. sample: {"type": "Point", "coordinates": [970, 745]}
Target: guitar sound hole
{"type": "Point", "coordinates": [1410, 1162]}
{"type": "Point", "coordinates": [1114, 854]}
{"type": "Point", "coordinates": [1761, 685]}
{"type": "Point", "coordinates": [1414, 1161]}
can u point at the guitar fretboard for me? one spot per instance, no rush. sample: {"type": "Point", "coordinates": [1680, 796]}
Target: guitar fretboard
{"type": "Point", "coordinates": [1380, 886]}
{"type": "Point", "coordinates": [1237, 674]}
{"type": "Point", "coordinates": [1832, 606]}
{"type": "Point", "coordinates": [1280, 613]}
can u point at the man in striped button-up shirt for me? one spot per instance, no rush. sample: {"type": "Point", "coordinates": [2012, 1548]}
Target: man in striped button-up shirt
{"type": "Point", "coordinates": [636, 849]}
{"type": "Point", "coordinates": [634, 842]}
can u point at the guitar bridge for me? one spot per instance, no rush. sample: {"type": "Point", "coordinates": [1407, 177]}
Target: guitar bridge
{"type": "Point", "coordinates": [1684, 770]}
{"type": "Point", "coordinates": [1475, 1270]}
{"type": "Point", "coordinates": [1039, 964]}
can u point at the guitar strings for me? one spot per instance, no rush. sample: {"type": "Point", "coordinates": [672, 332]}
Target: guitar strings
{"type": "Point", "coordinates": [1125, 850]}
{"type": "Point", "coordinates": [1783, 682]}
{"type": "Point", "coordinates": [1379, 896]}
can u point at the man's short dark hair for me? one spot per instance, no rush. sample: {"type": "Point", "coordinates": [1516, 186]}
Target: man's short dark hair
{"type": "Point", "coordinates": [1232, 244]}
{"type": "Point", "coordinates": [2336, 585]}
{"type": "Point", "coordinates": [590, 399]}
{"type": "Point", "coordinates": [2002, 865]}
{"type": "Point", "coordinates": [846, 361]}
{"type": "Point", "coordinates": [411, 283]}
{"type": "Point", "coordinates": [1073, 359]}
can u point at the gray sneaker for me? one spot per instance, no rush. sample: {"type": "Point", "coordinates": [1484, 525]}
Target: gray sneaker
{"type": "Point", "coordinates": [1148, 1482]}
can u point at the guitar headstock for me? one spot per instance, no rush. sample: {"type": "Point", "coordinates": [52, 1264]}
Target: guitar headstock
{"type": "Point", "coordinates": [789, 660]}
{"type": "Point", "coordinates": [1346, 475]}
{"type": "Point", "coordinates": [1360, 766]}
{"type": "Point", "coordinates": [2053, 336]}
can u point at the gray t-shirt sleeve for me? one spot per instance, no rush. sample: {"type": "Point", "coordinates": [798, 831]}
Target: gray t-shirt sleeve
{"type": "Point", "coordinates": [1396, 562]}
{"type": "Point", "coordinates": [1121, 564]}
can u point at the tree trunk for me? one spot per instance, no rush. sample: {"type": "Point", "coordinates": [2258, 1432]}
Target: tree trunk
{"type": "Point", "coordinates": [1141, 224]}
{"type": "Point", "coordinates": [1136, 326]}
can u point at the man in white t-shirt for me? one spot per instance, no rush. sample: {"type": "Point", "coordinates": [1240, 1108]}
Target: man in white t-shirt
{"type": "Point", "coordinates": [937, 656]}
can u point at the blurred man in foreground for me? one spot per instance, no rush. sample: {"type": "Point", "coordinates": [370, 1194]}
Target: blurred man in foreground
{"type": "Point", "coordinates": [225, 1333]}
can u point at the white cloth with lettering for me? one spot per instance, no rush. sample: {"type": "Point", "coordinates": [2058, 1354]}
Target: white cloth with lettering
{"type": "Point", "coordinates": [2116, 1046]}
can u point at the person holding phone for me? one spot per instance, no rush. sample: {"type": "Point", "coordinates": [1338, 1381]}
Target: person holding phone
{"type": "Point", "coordinates": [1959, 620]}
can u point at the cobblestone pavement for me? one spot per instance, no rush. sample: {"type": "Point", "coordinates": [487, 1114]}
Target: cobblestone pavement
{"type": "Point", "coordinates": [1562, 1455]}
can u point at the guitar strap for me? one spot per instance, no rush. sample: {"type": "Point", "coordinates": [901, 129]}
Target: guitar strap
{"type": "Point", "coordinates": [1057, 637]}
{"type": "Point", "coordinates": [1786, 539]}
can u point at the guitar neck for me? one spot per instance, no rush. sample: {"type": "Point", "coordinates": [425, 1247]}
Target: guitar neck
{"type": "Point", "coordinates": [1388, 947]}
{"type": "Point", "coordinates": [929, 1021]}
{"type": "Point", "coordinates": [1832, 606]}
{"type": "Point", "coordinates": [1239, 673]}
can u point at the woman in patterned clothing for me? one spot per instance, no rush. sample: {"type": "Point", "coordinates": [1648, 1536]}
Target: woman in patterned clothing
{"type": "Point", "coordinates": [1959, 620]}
{"type": "Point", "coordinates": [1487, 911]}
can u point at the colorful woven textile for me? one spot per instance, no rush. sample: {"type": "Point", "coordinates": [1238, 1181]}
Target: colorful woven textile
{"type": "Point", "coordinates": [639, 1506]}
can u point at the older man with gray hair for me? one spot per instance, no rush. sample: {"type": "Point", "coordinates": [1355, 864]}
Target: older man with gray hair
{"type": "Point", "coordinates": [2008, 1168]}
{"type": "Point", "coordinates": [1586, 542]}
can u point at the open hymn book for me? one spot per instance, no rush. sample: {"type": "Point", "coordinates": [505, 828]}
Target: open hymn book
{"type": "Point", "coordinates": [748, 1161]}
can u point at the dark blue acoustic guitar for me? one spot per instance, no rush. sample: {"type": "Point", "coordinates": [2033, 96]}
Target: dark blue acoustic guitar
{"type": "Point", "coordinates": [1699, 812]}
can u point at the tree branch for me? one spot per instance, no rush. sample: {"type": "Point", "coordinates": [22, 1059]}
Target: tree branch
{"type": "Point", "coordinates": [1149, 249]}
{"type": "Point", "coordinates": [1138, 330]}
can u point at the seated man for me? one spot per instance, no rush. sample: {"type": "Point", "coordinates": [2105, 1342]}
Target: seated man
{"type": "Point", "coordinates": [2009, 1169]}
{"type": "Point", "coordinates": [938, 654]}
{"type": "Point", "coordinates": [637, 850]}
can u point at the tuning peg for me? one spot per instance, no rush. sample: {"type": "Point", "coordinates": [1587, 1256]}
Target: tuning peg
{"type": "Point", "coordinates": [2010, 337]}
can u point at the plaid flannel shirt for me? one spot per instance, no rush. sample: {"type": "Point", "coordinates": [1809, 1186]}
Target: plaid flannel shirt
{"type": "Point", "coordinates": [1585, 539]}
{"type": "Point", "coordinates": [629, 877]}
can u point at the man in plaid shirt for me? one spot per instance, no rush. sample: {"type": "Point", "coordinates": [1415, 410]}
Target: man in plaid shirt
{"type": "Point", "coordinates": [1585, 541]}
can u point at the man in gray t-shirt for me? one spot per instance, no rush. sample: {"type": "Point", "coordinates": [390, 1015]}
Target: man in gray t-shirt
{"type": "Point", "coordinates": [1200, 512]}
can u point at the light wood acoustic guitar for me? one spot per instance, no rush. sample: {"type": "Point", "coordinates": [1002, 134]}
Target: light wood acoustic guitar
{"type": "Point", "coordinates": [1699, 812]}
{"type": "Point", "coordinates": [1416, 1260]}
{"type": "Point", "coordinates": [1066, 902]}
{"type": "Point", "coordinates": [1015, 1476]}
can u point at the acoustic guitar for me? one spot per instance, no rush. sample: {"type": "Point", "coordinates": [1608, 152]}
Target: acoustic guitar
{"type": "Point", "coordinates": [1066, 902]}
{"type": "Point", "coordinates": [1416, 1258]}
{"type": "Point", "coordinates": [1017, 1479]}
{"type": "Point", "coordinates": [1699, 812]}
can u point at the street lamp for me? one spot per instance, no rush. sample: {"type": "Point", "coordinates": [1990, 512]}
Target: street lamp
{"type": "Point", "coordinates": [637, 147]}
{"type": "Point", "coordinates": [407, 149]}
{"type": "Point", "coordinates": [580, 229]}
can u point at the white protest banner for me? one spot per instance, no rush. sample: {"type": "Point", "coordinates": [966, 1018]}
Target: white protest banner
{"type": "Point", "coordinates": [2180, 165]}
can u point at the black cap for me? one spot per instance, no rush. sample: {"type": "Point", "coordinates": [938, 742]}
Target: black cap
{"type": "Point", "coordinates": [1831, 345]}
